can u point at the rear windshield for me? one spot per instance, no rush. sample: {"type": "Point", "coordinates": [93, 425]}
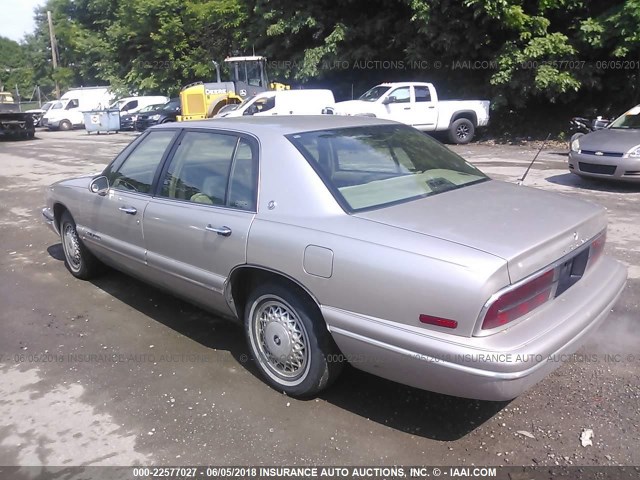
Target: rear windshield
{"type": "Point", "coordinates": [374, 166]}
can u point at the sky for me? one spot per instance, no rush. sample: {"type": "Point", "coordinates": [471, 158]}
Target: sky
{"type": "Point", "coordinates": [16, 17]}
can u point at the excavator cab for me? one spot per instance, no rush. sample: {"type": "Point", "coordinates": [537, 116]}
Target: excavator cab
{"type": "Point", "coordinates": [248, 75]}
{"type": "Point", "coordinates": [248, 78]}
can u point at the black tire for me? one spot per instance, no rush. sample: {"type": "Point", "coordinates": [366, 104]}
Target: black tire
{"type": "Point", "coordinates": [65, 125]}
{"type": "Point", "coordinates": [461, 131]}
{"type": "Point", "coordinates": [312, 361]}
{"type": "Point", "coordinates": [167, 120]}
{"type": "Point", "coordinates": [78, 260]}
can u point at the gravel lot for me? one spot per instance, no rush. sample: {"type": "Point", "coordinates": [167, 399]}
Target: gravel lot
{"type": "Point", "coordinates": [113, 372]}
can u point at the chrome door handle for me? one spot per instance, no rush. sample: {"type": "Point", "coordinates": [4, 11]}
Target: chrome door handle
{"type": "Point", "coordinates": [128, 210]}
{"type": "Point", "coordinates": [224, 231]}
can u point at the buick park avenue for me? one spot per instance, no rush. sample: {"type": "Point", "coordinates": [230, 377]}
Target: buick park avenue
{"type": "Point", "coordinates": [332, 238]}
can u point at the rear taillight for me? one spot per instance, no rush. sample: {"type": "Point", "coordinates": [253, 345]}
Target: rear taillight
{"type": "Point", "coordinates": [521, 300]}
{"type": "Point", "coordinates": [597, 248]}
{"type": "Point", "coordinates": [518, 302]}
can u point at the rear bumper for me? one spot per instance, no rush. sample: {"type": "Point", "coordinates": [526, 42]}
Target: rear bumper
{"type": "Point", "coordinates": [497, 367]}
{"type": "Point", "coordinates": [605, 167]}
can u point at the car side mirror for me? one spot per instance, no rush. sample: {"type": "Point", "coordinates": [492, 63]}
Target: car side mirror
{"type": "Point", "coordinates": [99, 185]}
{"type": "Point", "coordinates": [389, 100]}
{"type": "Point", "coordinates": [328, 111]}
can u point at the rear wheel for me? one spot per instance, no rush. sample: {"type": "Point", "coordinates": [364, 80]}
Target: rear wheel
{"type": "Point", "coordinates": [461, 131]}
{"type": "Point", "coordinates": [80, 261]}
{"type": "Point", "coordinates": [289, 340]}
{"type": "Point", "coordinates": [65, 125]}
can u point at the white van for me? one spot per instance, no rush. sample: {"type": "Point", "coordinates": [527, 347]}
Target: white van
{"type": "Point", "coordinates": [67, 112]}
{"type": "Point", "coordinates": [284, 102]}
{"type": "Point", "coordinates": [134, 104]}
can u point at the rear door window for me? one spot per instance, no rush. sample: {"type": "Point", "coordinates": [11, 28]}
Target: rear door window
{"type": "Point", "coordinates": [422, 94]}
{"type": "Point", "coordinates": [213, 169]}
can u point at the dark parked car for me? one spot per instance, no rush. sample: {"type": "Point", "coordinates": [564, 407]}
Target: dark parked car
{"type": "Point", "coordinates": [165, 114]}
{"type": "Point", "coordinates": [128, 120]}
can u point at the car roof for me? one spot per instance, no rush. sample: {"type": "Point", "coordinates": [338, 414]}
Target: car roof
{"type": "Point", "coordinates": [404, 84]}
{"type": "Point", "coordinates": [283, 124]}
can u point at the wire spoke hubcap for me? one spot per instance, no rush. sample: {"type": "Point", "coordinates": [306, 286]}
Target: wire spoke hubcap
{"type": "Point", "coordinates": [71, 245]}
{"type": "Point", "coordinates": [281, 339]}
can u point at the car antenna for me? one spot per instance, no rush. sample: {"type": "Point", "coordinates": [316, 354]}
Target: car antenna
{"type": "Point", "coordinates": [521, 180]}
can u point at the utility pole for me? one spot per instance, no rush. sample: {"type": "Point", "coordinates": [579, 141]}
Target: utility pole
{"type": "Point", "coordinates": [54, 50]}
{"type": "Point", "coordinates": [18, 97]}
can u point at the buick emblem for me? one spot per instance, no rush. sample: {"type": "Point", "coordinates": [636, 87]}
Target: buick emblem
{"type": "Point", "coordinates": [599, 154]}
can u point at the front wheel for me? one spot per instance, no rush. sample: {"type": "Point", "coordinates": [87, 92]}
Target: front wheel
{"type": "Point", "coordinates": [80, 261]}
{"type": "Point", "coordinates": [461, 131]}
{"type": "Point", "coordinates": [289, 341]}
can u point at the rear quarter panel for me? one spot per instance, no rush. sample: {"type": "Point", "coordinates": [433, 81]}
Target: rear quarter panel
{"type": "Point", "coordinates": [377, 270]}
{"type": "Point", "coordinates": [380, 272]}
{"type": "Point", "coordinates": [448, 108]}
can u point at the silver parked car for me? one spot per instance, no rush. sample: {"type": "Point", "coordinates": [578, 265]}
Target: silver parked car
{"type": "Point", "coordinates": [349, 239]}
{"type": "Point", "coordinates": [610, 153]}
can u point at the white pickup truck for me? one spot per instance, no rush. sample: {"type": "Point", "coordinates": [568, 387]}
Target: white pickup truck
{"type": "Point", "coordinates": [416, 104]}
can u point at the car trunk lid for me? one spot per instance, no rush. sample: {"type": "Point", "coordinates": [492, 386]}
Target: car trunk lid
{"type": "Point", "coordinates": [528, 228]}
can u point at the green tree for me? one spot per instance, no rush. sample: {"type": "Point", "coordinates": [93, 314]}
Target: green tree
{"type": "Point", "coordinates": [14, 70]}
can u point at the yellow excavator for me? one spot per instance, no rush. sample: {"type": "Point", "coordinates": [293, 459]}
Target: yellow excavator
{"type": "Point", "coordinates": [248, 77]}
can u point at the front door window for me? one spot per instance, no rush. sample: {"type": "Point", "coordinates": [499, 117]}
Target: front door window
{"type": "Point", "coordinates": [137, 172]}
